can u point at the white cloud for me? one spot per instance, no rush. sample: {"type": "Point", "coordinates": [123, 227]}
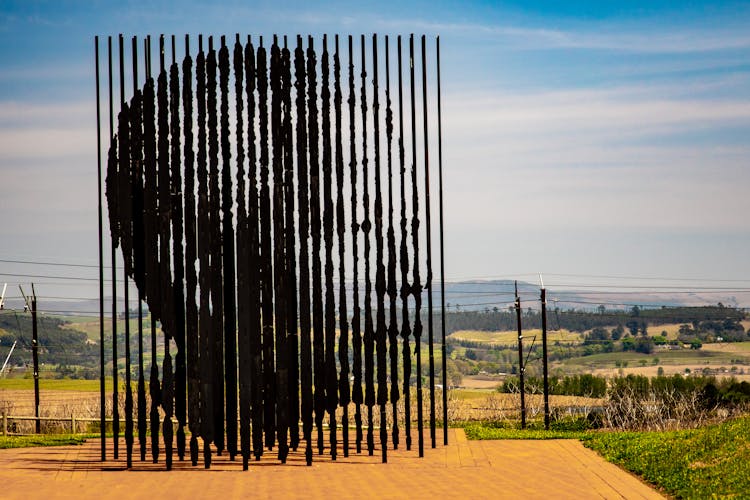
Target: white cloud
{"type": "Point", "coordinates": [595, 158]}
{"type": "Point", "coordinates": [591, 36]}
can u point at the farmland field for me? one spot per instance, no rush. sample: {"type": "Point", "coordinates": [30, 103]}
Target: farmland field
{"type": "Point", "coordinates": [510, 338]}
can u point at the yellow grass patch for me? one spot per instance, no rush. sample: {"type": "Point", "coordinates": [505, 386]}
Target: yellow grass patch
{"type": "Point", "coordinates": [511, 337]}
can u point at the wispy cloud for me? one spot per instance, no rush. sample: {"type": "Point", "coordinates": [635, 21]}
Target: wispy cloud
{"type": "Point", "coordinates": [597, 158]}
{"type": "Point", "coordinates": [592, 37]}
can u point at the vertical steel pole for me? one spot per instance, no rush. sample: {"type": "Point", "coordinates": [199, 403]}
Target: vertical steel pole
{"type": "Point", "coordinates": [428, 283]}
{"type": "Point", "coordinates": [35, 356]}
{"type": "Point", "coordinates": [416, 288]}
{"type": "Point", "coordinates": [404, 262]}
{"type": "Point", "coordinates": [329, 335]}
{"type": "Point", "coordinates": [305, 354]}
{"type": "Point", "coordinates": [442, 252]}
{"type": "Point", "coordinates": [366, 227]}
{"type": "Point", "coordinates": [391, 237]}
{"type": "Point", "coordinates": [178, 252]}
{"type": "Point", "coordinates": [255, 262]}
{"type": "Point", "coordinates": [141, 384]}
{"type": "Point", "coordinates": [356, 311]}
{"type": "Point", "coordinates": [128, 393]}
{"type": "Point", "coordinates": [380, 325]}
{"type": "Point", "coordinates": [344, 393]}
{"type": "Point", "coordinates": [544, 358]}
{"type": "Point", "coordinates": [266, 267]}
{"type": "Point", "coordinates": [521, 367]}
{"type": "Point", "coordinates": [217, 297]}
{"type": "Point", "coordinates": [293, 385]}
{"type": "Point", "coordinates": [243, 285]}
{"type": "Point", "coordinates": [102, 394]}
{"type": "Point", "coordinates": [279, 256]}
{"type": "Point", "coordinates": [228, 258]}
{"type": "Point", "coordinates": [203, 235]}
{"type": "Point", "coordinates": [115, 396]}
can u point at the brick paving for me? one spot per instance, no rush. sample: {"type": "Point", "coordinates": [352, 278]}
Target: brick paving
{"type": "Point", "coordinates": [464, 469]}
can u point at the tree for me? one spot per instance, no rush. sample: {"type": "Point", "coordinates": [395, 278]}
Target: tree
{"type": "Point", "coordinates": [644, 345]}
{"type": "Point", "coordinates": [644, 328]}
{"type": "Point", "coordinates": [696, 344]}
{"type": "Point", "coordinates": [633, 326]}
{"type": "Point", "coordinates": [628, 344]}
{"type": "Point", "coordinates": [617, 332]}
{"type": "Point", "coordinates": [598, 334]}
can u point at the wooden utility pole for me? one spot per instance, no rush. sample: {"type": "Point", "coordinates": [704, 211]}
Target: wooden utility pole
{"type": "Point", "coordinates": [544, 354]}
{"type": "Point", "coordinates": [31, 305]}
{"type": "Point", "coordinates": [35, 355]}
{"type": "Point", "coordinates": [521, 367]}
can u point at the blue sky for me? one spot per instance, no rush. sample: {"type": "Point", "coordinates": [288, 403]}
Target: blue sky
{"type": "Point", "coordinates": [580, 137]}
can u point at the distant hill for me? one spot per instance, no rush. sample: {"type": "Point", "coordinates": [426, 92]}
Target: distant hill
{"type": "Point", "coordinates": [487, 294]}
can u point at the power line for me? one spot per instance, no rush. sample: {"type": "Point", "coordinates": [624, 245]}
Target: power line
{"type": "Point", "coordinates": [42, 276]}
{"type": "Point", "coordinates": [58, 264]}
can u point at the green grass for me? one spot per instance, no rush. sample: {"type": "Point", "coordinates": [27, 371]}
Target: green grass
{"type": "Point", "coordinates": [41, 440]}
{"type": "Point", "coordinates": [709, 462]}
{"type": "Point", "coordinates": [686, 357]}
{"type": "Point", "coordinates": [78, 319]}
{"type": "Point", "coordinates": [90, 326]}
{"type": "Point", "coordinates": [54, 384]}
{"type": "Point", "coordinates": [478, 431]}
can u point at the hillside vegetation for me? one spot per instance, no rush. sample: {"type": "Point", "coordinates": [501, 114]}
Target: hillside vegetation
{"type": "Point", "coordinates": [709, 462]}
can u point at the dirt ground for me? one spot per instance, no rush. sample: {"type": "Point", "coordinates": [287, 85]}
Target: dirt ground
{"type": "Point", "coordinates": [480, 383]}
{"type": "Point", "coordinates": [463, 469]}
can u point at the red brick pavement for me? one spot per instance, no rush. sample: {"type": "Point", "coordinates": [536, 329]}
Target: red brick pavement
{"type": "Point", "coordinates": [464, 469]}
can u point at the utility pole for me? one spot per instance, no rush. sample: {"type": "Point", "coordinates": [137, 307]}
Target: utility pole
{"type": "Point", "coordinates": [2, 370]}
{"type": "Point", "coordinates": [544, 354]}
{"type": "Point", "coordinates": [521, 367]}
{"type": "Point", "coordinates": [34, 350]}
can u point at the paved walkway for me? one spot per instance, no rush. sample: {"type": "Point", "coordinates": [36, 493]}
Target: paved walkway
{"type": "Point", "coordinates": [464, 469]}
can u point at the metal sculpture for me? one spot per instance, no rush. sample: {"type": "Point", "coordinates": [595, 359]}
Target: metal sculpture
{"type": "Point", "coordinates": [391, 286]}
{"type": "Point", "coordinates": [380, 326]}
{"type": "Point", "coordinates": [416, 286]}
{"type": "Point", "coordinates": [331, 380]}
{"type": "Point", "coordinates": [228, 260]}
{"type": "Point", "coordinates": [343, 383]}
{"type": "Point", "coordinates": [232, 228]}
{"type": "Point", "coordinates": [357, 395]}
{"type": "Point", "coordinates": [369, 341]}
{"type": "Point", "coordinates": [305, 366]}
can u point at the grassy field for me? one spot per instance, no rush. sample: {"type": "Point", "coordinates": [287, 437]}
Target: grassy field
{"type": "Point", "coordinates": [672, 330]}
{"type": "Point", "coordinates": [41, 440]}
{"type": "Point", "coordinates": [729, 347]}
{"type": "Point", "coordinates": [711, 462]}
{"type": "Point", "coordinates": [468, 394]}
{"type": "Point", "coordinates": [510, 338]}
{"type": "Point", "coordinates": [90, 326]}
{"type": "Point", "coordinates": [688, 357]}
{"type": "Point", "coordinates": [17, 384]}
